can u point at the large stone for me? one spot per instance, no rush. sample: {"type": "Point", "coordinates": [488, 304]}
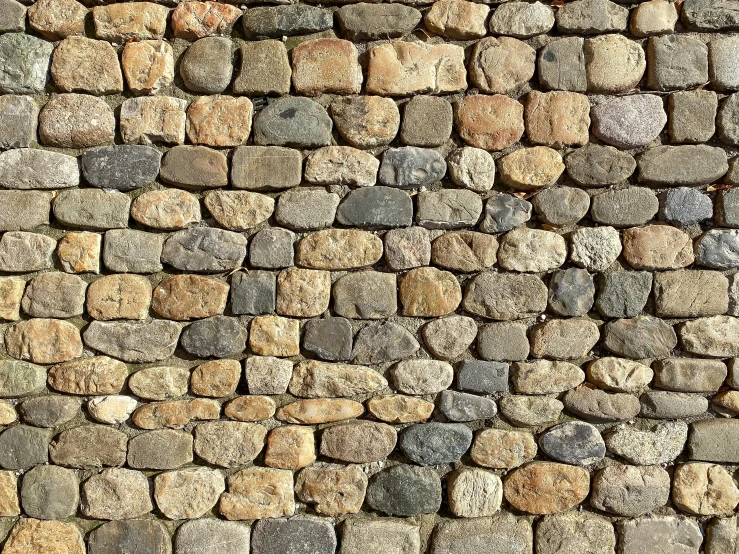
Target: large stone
{"type": "Point", "coordinates": [474, 493]}
{"type": "Point", "coordinates": [660, 535]}
{"type": "Point", "coordinates": [471, 168]}
{"type": "Point", "coordinates": [49, 411]}
{"type": "Point", "coordinates": [397, 408]}
{"type": "Point", "coordinates": [411, 167]}
{"type": "Point", "coordinates": [274, 336]}
{"type": "Point", "coordinates": [692, 115]}
{"type": "Point", "coordinates": [659, 445]}
{"type": "Point", "coordinates": [217, 337]}
{"type": "Point", "coordinates": [293, 121]}
{"type": "Point", "coordinates": [265, 69]}
{"type": "Point", "coordinates": [640, 337]}
{"type": "Point", "coordinates": [92, 376]}
{"type": "Point", "coordinates": [571, 292]}
{"type": "Point", "coordinates": [76, 121]}
{"type": "Point", "coordinates": [21, 252]}
{"type": "Point", "coordinates": [448, 209]}
{"type": "Point", "coordinates": [25, 60]}
{"type": "Point", "coordinates": [219, 120]}
{"type": "Point", "coordinates": [676, 62]}
{"type": "Point", "coordinates": [613, 64]}
{"type": "Point", "coordinates": [54, 294]}
{"type": "Point", "coordinates": [422, 376]}
{"type": "Point", "coordinates": [530, 411]}
{"type": "Point", "coordinates": [92, 209]}
{"type": "Point", "coordinates": [682, 165]}
{"type": "Point", "coordinates": [57, 19]}
{"type": "Point", "coordinates": [562, 65]}
{"type": "Point", "coordinates": [113, 409]}
{"type": "Point", "coordinates": [576, 533]}
{"type": "Point", "coordinates": [704, 489]}
{"type": "Point", "coordinates": [166, 209]}
{"type": "Point", "coordinates": [531, 250]}
{"type": "Point", "coordinates": [366, 121]}
{"type": "Point", "coordinates": [20, 378]}
{"type": "Point", "coordinates": [504, 212]}
{"type": "Point", "coordinates": [589, 17]}
{"type": "Point", "coordinates": [192, 21]}
{"type": "Point", "coordinates": [531, 168]}
{"type": "Point", "coordinates": [492, 122]}
{"type": "Point", "coordinates": [435, 443]}
{"type": "Point", "coordinates": [341, 165]}
{"type": "Point", "coordinates": [629, 121]}
{"type": "Point", "coordinates": [653, 18]}
{"type": "Point", "coordinates": [210, 535]}
{"type": "Point", "coordinates": [314, 379]}
{"type": "Point", "coordinates": [601, 407]}
{"type": "Point", "coordinates": [557, 119]}
{"type": "Point", "coordinates": [376, 536]}
{"type": "Point", "coordinates": [359, 443]}
{"type": "Point", "coordinates": [50, 492]}
{"type": "Point", "coordinates": [522, 20]}
{"type": "Point", "coordinates": [500, 65]}
{"type": "Point", "coordinates": [89, 446]}
{"type": "Point", "coordinates": [353, 299]}
{"type": "Point", "coordinates": [718, 249]}
{"type": "Point", "coordinates": [31, 536]}
{"type": "Point", "coordinates": [405, 490]}
{"type": "Point", "coordinates": [457, 19]}
{"type": "Point", "coordinates": [502, 449]}
{"type": "Point", "coordinates": [333, 489]}
{"type": "Point", "coordinates": [142, 535]}
{"type": "Point", "coordinates": [121, 22]}
{"type": "Point", "coordinates": [290, 447]}
{"type": "Point", "coordinates": [30, 168]}
{"type": "Point", "coordinates": [505, 296]}
{"type": "Point", "coordinates": [711, 336]}
{"type": "Point", "coordinates": [19, 117]}
{"type": "Point", "coordinates": [307, 209]}
{"type": "Point", "coordinates": [128, 250]}
{"type": "Point", "coordinates": [163, 449]}
{"type": "Point", "coordinates": [44, 341]}
{"type": "Point", "coordinates": [188, 493]}
{"type": "Point", "coordinates": [120, 296]}
{"type": "Point", "coordinates": [461, 406]}
{"type": "Point", "coordinates": [671, 405]}
{"type": "Point", "coordinates": [376, 208]}
{"type": "Point", "coordinates": [486, 535]}
{"type": "Point", "coordinates": [546, 487]}
{"type": "Point", "coordinates": [545, 377]}
{"type": "Point", "coordinates": [153, 119]}
{"type": "Point", "coordinates": [598, 166]}
{"type": "Point", "coordinates": [619, 375]}
{"type": "Point", "coordinates": [135, 342]}
{"type": "Point", "coordinates": [123, 167]}
{"type": "Point", "coordinates": [690, 293]}
{"type": "Point", "coordinates": [85, 65]}
{"type": "Point", "coordinates": [204, 249]}
{"type": "Point", "coordinates": [159, 382]}
{"type": "Point", "coordinates": [630, 490]}
{"type": "Point", "coordinates": [483, 377]}
{"type": "Point", "coordinates": [116, 494]}
{"type": "Point", "coordinates": [195, 167]}
{"type": "Point", "coordinates": [449, 337]}
{"type": "Point", "coordinates": [326, 66]}
{"type": "Point", "coordinates": [299, 535]}
{"type": "Point", "coordinates": [257, 493]}
{"type": "Point", "coordinates": [427, 121]}
{"type": "Point", "coordinates": [713, 440]}
{"type": "Point", "coordinates": [575, 442]}
{"type": "Point", "coordinates": [429, 292]}
{"type": "Point", "coordinates": [285, 20]}
{"type": "Point", "coordinates": [23, 447]}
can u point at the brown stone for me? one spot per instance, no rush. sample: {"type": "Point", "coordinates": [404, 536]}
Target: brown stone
{"type": "Point", "coordinates": [359, 443]}
{"type": "Point", "coordinates": [489, 122]}
{"type": "Point", "coordinates": [303, 292]}
{"type": "Point", "coordinates": [216, 379]}
{"type": "Point", "coordinates": [657, 247]}
{"type": "Point", "coordinates": [258, 493]}
{"type": "Point", "coordinates": [120, 22]}
{"type": "Point", "coordinates": [557, 119]}
{"type": "Point", "coordinates": [320, 410]}
{"type": "Point", "coordinates": [229, 443]}
{"type": "Point", "coordinates": [11, 293]}
{"type": "Point", "coordinates": [500, 65]}
{"type": "Point", "coordinates": [398, 408]}
{"type": "Point", "coordinates": [564, 339]}
{"type": "Point", "coordinates": [250, 408]}
{"type": "Point", "coordinates": [119, 296]}
{"type": "Point", "coordinates": [336, 249]}
{"type": "Point", "coordinates": [152, 119]}
{"type": "Point", "coordinates": [272, 335]}
{"type": "Point", "coordinates": [502, 449]}
{"type": "Point", "coordinates": [188, 493]}
{"type": "Point", "coordinates": [219, 120]}
{"type": "Point", "coordinates": [89, 446]}
{"type": "Point", "coordinates": [315, 379]}
{"type": "Point", "coordinates": [54, 294]}
{"type": "Point", "coordinates": [326, 66]}
{"type": "Point", "coordinates": [175, 414]}
{"type": "Point", "coordinates": [159, 383]}
{"type": "Point", "coordinates": [148, 66]}
{"type": "Point", "coordinates": [265, 69]}
{"type": "Point", "coordinates": [166, 209]}
{"type": "Point", "coordinates": [334, 489]}
{"type": "Point", "coordinates": [43, 341]}
{"type": "Point", "coordinates": [196, 167]}
{"type": "Point", "coordinates": [457, 19]}
{"type": "Point", "coordinates": [546, 487]}
{"type": "Point", "coordinates": [429, 292]}
{"type": "Point", "coordinates": [89, 376]}
{"type": "Point", "coordinates": [531, 168]}
{"type": "Point", "coordinates": [76, 121]}
{"type": "Point", "coordinates": [85, 65]}
{"type": "Point", "coordinates": [184, 297]}
{"type": "Point", "coordinates": [290, 447]}
{"type": "Point", "coordinates": [704, 489]}
{"type": "Point", "coordinates": [194, 20]}
{"type": "Point", "coordinates": [464, 251]}
{"type": "Point", "coordinates": [57, 19]}
{"type": "Point", "coordinates": [33, 536]}
{"type": "Point", "coordinates": [619, 375]}
{"type": "Point", "coordinates": [366, 121]}
{"type": "Point", "coordinates": [79, 252]}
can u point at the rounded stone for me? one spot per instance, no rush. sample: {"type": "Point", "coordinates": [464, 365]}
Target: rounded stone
{"type": "Point", "coordinates": [293, 121]}
{"type": "Point", "coordinates": [84, 65]}
{"type": "Point", "coordinates": [49, 411]}
{"type": "Point", "coordinates": [658, 445]}
{"type": "Point", "coordinates": [43, 341]}
{"type": "Point", "coordinates": [209, 535]}
{"type": "Point", "coordinates": [500, 65]}
{"type": "Point", "coordinates": [88, 446]}
{"type": "Point", "coordinates": [450, 337]}
{"type": "Point", "coordinates": [30, 536]}
{"type": "Point", "coordinates": [366, 121]}
{"type": "Point", "coordinates": [206, 65]}
{"type": "Point", "coordinates": [545, 377]}
{"type": "Point", "coordinates": [76, 121]}
{"type": "Point", "coordinates": [625, 207]}
{"type": "Point", "coordinates": [435, 443]}
{"type": "Point", "coordinates": [397, 408]}
{"type": "Point", "coordinates": [531, 168]}
{"type": "Point", "coordinates": [546, 487]}
{"type": "Point", "coordinates": [229, 443]}
{"type": "Point", "coordinates": [136, 535]}
{"type": "Point", "coordinates": [188, 493]}
{"type": "Point", "coordinates": [629, 121]}
{"type": "Point", "coordinates": [504, 212]}
{"type": "Point", "coordinates": [530, 411]}
{"type": "Point", "coordinates": [474, 493]}
{"type": "Point", "coordinates": [630, 490]}
{"type": "Point", "coordinates": [166, 209]}
{"type": "Point", "coordinates": [704, 489]}
{"type": "Point", "coordinates": [159, 383]}
{"type": "Point", "coordinates": [116, 494]}
{"type": "Point", "coordinates": [27, 60]}
{"type": "Point", "coordinates": [502, 449]}
{"type": "Point", "coordinates": [489, 122]}
{"type": "Point", "coordinates": [562, 206]}
{"type": "Point", "coordinates": [596, 165]}
{"type": "Point", "coordinates": [162, 449]}
{"type": "Point", "coordinates": [595, 248]}
{"type": "Point", "coordinates": [422, 376]}
{"type": "Point", "coordinates": [405, 490]}
{"type": "Point", "coordinates": [360, 442]}
{"type": "Point", "coordinates": [531, 250]}
{"type": "Point", "coordinates": [250, 408]}
{"type": "Point", "coordinates": [613, 64]}
{"type": "Point", "coordinates": [522, 20]}
{"type": "Point", "coordinates": [619, 375]}
{"type": "Point", "coordinates": [575, 442]}
{"type": "Point", "coordinates": [114, 409]}
{"type": "Point", "coordinates": [601, 407]}
{"type": "Point", "coordinates": [471, 168]}
{"type": "Point", "coordinates": [50, 492]}
{"type": "Point", "coordinates": [429, 292]}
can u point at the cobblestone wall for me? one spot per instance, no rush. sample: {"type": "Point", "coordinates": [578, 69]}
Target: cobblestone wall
{"type": "Point", "coordinates": [392, 278]}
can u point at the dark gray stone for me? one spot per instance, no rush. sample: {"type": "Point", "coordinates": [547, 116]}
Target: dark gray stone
{"type": "Point", "coordinates": [18, 120]}
{"type": "Point", "coordinates": [19, 378]}
{"type": "Point", "coordinates": [561, 206]}
{"type": "Point", "coordinates": [574, 442]}
{"type": "Point", "coordinates": [718, 248]}
{"type": "Point", "coordinates": [133, 341]}
{"type": "Point", "coordinates": [215, 337]}
{"type": "Point", "coordinates": [207, 65]}
{"type": "Point", "coordinates": [676, 62]}
{"type": "Point", "coordinates": [640, 337]}
{"type": "Point", "coordinates": [430, 444]}
{"type": "Point", "coordinates": [623, 293]}
{"type": "Point", "coordinates": [599, 406]}
{"type": "Point", "coordinates": [376, 208]}
{"type": "Point", "coordinates": [365, 21]}
{"type": "Point", "coordinates": [504, 212]}
{"type": "Point", "coordinates": [272, 248]}
{"type": "Point", "coordinates": [405, 490]}
{"type": "Point", "coordinates": [483, 377]}
{"type": "Point", "coordinates": [711, 15]}
{"type": "Point", "coordinates": [50, 492]}
{"type": "Point", "coordinates": [293, 121]}
{"type": "Point", "coordinates": [685, 206]}
{"type": "Point", "coordinates": [89, 446]}
{"type": "Point", "coordinates": [411, 167]}
{"type": "Point", "coordinates": [92, 209]}
{"type": "Point", "coordinates": [307, 210]}
{"type": "Point", "coordinates": [427, 121]}
{"type": "Point", "coordinates": [293, 536]}
{"type": "Point", "coordinates": [571, 292]}
{"type": "Point", "coordinates": [123, 167]}
{"type": "Point", "coordinates": [624, 207]}
{"type": "Point", "coordinates": [671, 405]}
{"type": "Point", "coordinates": [253, 293]}
{"type": "Point", "coordinates": [461, 406]}
{"type": "Point", "coordinates": [384, 341]}
{"type": "Point", "coordinates": [49, 411]}
{"type": "Point", "coordinates": [130, 251]}
{"type": "Point", "coordinates": [682, 165]}
{"type": "Point", "coordinates": [285, 21]}
{"type": "Point", "coordinates": [204, 249]}
{"type": "Point", "coordinates": [562, 65]}
{"type": "Point", "coordinates": [599, 166]}
{"type": "Point", "coordinates": [24, 209]}
{"type": "Point", "coordinates": [131, 536]}
{"type": "Point", "coordinates": [160, 449]}
{"type": "Point", "coordinates": [212, 536]}
{"type": "Point", "coordinates": [22, 446]}
{"type": "Point", "coordinates": [329, 339]}
{"type": "Point", "coordinates": [25, 61]}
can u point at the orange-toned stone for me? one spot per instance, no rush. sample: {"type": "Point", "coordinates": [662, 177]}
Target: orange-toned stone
{"type": "Point", "coordinates": [657, 247]}
{"type": "Point", "coordinates": [429, 292]}
{"type": "Point", "coordinates": [320, 410]}
{"type": "Point", "coordinates": [85, 65]}
{"type": "Point", "coordinates": [219, 120]}
{"type": "Point", "coordinates": [123, 21]}
{"type": "Point", "coordinates": [119, 296]}
{"type": "Point", "coordinates": [148, 66]}
{"type": "Point", "coordinates": [258, 493]}
{"type": "Point", "coordinates": [167, 209]}
{"type": "Point", "coordinates": [557, 119]}
{"type": "Point", "coordinates": [57, 19]}
{"type": "Point", "coordinates": [326, 66]}
{"type": "Point", "coordinates": [272, 335]}
{"type": "Point", "coordinates": [176, 413]}
{"type": "Point", "coordinates": [239, 210]}
{"type": "Point", "coordinates": [34, 536]}
{"type": "Point", "coordinates": [11, 294]}
{"type": "Point", "coordinates": [250, 408]}
{"type": "Point", "coordinates": [79, 252]}
{"type": "Point", "coordinates": [398, 408]}
{"type": "Point", "coordinates": [194, 20]}
{"type": "Point", "coordinates": [43, 341]}
{"type": "Point", "coordinates": [290, 447]}
{"type": "Point", "coordinates": [502, 449]}
{"type": "Point", "coordinates": [303, 292]}
{"type": "Point", "coordinates": [96, 375]}
{"type": "Point", "coordinates": [546, 487]}
{"type": "Point", "coordinates": [183, 297]}
{"type": "Point", "coordinates": [216, 379]}
{"type": "Point", "coordinates": [489, 122]}
{"type": "Point", "coordinates": [457, 19]}
{"type": "Point", "coordinates": [316, 379]}
{"type": "Point", "coordinates": [339, 249]}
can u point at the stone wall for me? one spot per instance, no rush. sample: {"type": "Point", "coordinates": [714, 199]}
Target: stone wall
{"type": "Point", "coordinates": [394, 278]}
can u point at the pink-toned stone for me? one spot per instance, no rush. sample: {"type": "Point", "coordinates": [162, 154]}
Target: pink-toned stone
{"type": "Point", "coordinates": [250, 408]}
{"type": "Point", "coordinates": [336, 249]}
{"type": "Point", "coordinates": [119, 296]}
{"type": "Point", "coordinates": [148, 66]}
{"type": "Point", "coordinates": [216, 379]}
{"type": "Point", "coordinates": [326, 66]}
{"type": "Point", "coordinates": [546, 487]}
{"type": "Point", "coordinates": [79, 252]}
{"type": "Point", "coordinates": [320, 410]}
{"type": "Point", "coordinates": [194, 20]}
{"type": "Point", "coordinates": [219, 120]}
{"type": "Point", "coordinates": [43, 341]}
{"type": "Point", "coordinates": [500, 65]}
{"type": "Point", "coordinates": [166, 209]}
{"type": "Point", "coordinates": [85, 65]}
{"type": "Point", "coordinates": [489, 122]}
{"type": "Point", "coordinates": [657, 247]}
{"type": "Point", "coordinates": [239, 210]}
{"type": "Point", "coordinates": [34, 536]}
{"type": "Point", "coordinates": [398, 408]}
{"type": "Point", "coordinates": [175, 414]}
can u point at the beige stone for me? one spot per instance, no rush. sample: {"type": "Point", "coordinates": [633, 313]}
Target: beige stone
{"type": "Point", "coordinates": [175, 414]}
{"type": "Point", "coordinates": [729, 400]}
{"type": "Point", "coordinates": [85, 65]}
{"type": "Point", "coordinates": [657, 247]}
{"type": "Point", "coordinates": [532, 250]}
{"type": "Point", "coordinates": [93, 376]}
{"type": "Point", "coordinates": [505, 296]}
{"type": "Point", "coordinates": [120, 22]}
{"type": "Point", "coordinates": [653, 18]}
{"type": "Point", "coordinates": [216, 379]}
{"type": "Point", "coordinates": [613, 63]}
{"type": "Point", "coordinates": [557, 119]}
{"type": "Point", "coordinates": [429, 292]}
{"type": "Point", "coordinates": [267, 375]}
{"type": "Point", "coordinates": [531, 168]}
{"type": "Point", "coordinates": [114, 409]}
{"type": "Point", "coordinates": [159, 383]}
{"type": "Point", "coordinates": [546, 377]}
{"type": "Point", "coordinates": [119, 296]}
{"type": "Point", "coordinates": [188, 493]}
{"type": "Point", "coordinates": [457, 19]}
{"type": "Point", "coordinates": [219, 120]}
{"type": "Point", "coordinates": [265, 69]}
{"type": "Point", "coordinates": [320, 410]}
{"type": "Point", "coordinates": [315, 379]}
{"type": "Point", "coordinates": [704, 489]}
{"type": "Point", "coordinates": [398, 408]}
{"type": "Point", "coordinates": [366, 121]}
{"type": "Point", "coordinates": [258, 493]}
{"type": "Point", "coordinates": [274, 336]}
{"type": "Point", "coordinates": [57, 19]}
{"type": "Point", "coordinates": [148, 66]}
{"type": "Point", "coordinates": [229, 443]}
{"type": "Point", "coordinates": [564, 339]}
{"type": "Point", "coordinates": [79, 252]}
{"type": "Point", "coordinates": [500, 65]}
{"type": "Point", "coordinates": [619, 375]}
{"type": "Point", "coordinates": [76, 121]}
{"type": "Point", "coordinates": [184, 297]}
{"type": "Point", "coordinates": [359, 443]}
{"type": "Point", "coordinates": [333, 489]}
{"type": "Point", "coordinates": [290, 447]}
{"type": "Point", "coordinates": [337, 249]}
{"type": "Point", "coordinates": [689, 293]}
{"type": "Point", "coordinates": [33, 536]}
{"type": "Point", "coordinates": [489, 122]}
{"type": "Point", "coordinates": [716, 336]}
{"type": "Point", "coordinates": [194, 20]}
{"type": "Point", "coordinates": [239, 210]}
{"type": "Point", "coordinates": [166, 209]}
{"type": "Point", "coordinates": [43, 341]}
{"type": "Point", "coordinates": [464, 251]}
{"type": "Point", "coordinates": [341, 165]}
{"type": "Point", "coordinates": [303, 292]}
{"type": "Point", "coordinates": [9, 503]}
{"type": "Point", "coordinates": [152, 119]}
{"type": "Point", "coordinates": [501, 449]}
{"type": "Point", "coordinates": [116, 493]}
{"type": "Point", "coordinates": [474, 493]}
{"type": "Point", "coordinates": [11, 293]}
{"type": "Point", "coordinates": [250, 408]}
{"type": "Point", "coordinates": [326, 66]}
{"type": "Point", "coordinates": [8, 415]}
{"type": "Point", "coordinates": [546, 487]}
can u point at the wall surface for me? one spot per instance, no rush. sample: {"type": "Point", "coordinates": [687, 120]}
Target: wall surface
{"type": "Point", "coordinates": [391, 278]}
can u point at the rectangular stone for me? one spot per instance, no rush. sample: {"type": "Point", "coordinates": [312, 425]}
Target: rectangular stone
{"type": "Point", "coordinates": [253, 293]}
{"type": "Point", "coordinates": [502, 534]}
{"type": "Point", "coordinates": [266, 168]}
{"type": "Point", "coordinates": [483, 377]}
{"type": "Point", "coordinates": [690, 293]}
{"type": "Point", "coordinates": [714, 440]}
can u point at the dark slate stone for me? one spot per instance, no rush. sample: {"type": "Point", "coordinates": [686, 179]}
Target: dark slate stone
{"type": "Point", "coordinates": [253, 293]}
{"type": "Point", "coordinates": [461, 406]}
{"type": "Point", "coordinates": [383, 341]}
{"type": "Point", "coordinates": [329, 339]}
{"type": "Point", "coordinates": [204, 249]}
{"type": "Point", "coordinates": [504, 212]}
{"type": "Point", "coordinates": [483, 377]}
{"type": "Point", "coordinates": [624, 293]}
{"type": "Point", "coordinates": [571, 292]}
{"type": "Point", "coordinates": [272, 248]}
{"type": "Point", "coordinates": [217, 337]}
{"type": "Point", "coordinates": [365, 21]}
{"type": "Point", "coordinates": [293, 536]}
{"type": "Point", "coordinates": [293, 121]}
{"type": "Point", "coordinates": [718, 248]}
{"type": "Point", "coordinates": [133, 536]}
{"type": "Point", "coordinates": [431, 444]}
{"type": "Point", "coordinates": [405, 490]}
{"type": "Point", "coordinates": [411, 167]}
{"type": "Point", "coordinates": [574, 442]}
{"type": "Point", "coordinates": [684, 206]}
{"type": "Point", "coordinates": [376, 208]}
{"type": "Point", "coordinates": [22, 446]}
{"type": "Point", "coordinates": [279, 21]}
{"type": "Point", "coordinates": [50, 492]}
{"type": "Point", "coordinates": [49, 411]}
{"type": "Point", "coordinates": [122, 167]}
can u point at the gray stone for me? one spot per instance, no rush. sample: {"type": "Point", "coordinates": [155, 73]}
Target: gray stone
{"type": "Point", "coordinates": [727, 208]}
{"type": "Point", "coordinates": [530, 411]}
{"type": "Point", "coordinates": [207, 66]}
{"type": "Point", "coordinates": [19, 378]}
{"type": "Point", "coordinates": [448, 209]}
{"type": "Point", "coordinates": [22, 447]}
{"type": "Point", "coordinates": [384, 341]}
{"type": "Point", "coordinates": [161, 449]}
{"type": "Point", "coordinates": [293, 536]}
{"type": "Point", "coordinates": [718, 248]}
{"type": "Point", "coordinates": [601, 407]}
{"type": "Point", "coordinates": [18, 120]}
{"type": "Point", "coordinates": [659, 445]}
{"type": "Point", "coordinates": [671, 405]}
{"type": "Point", "coordinates": [31, 168]}
{"type": "Point", "coordinates": [253, 293]}
{"type": "Point", "coordinates": [376, 208]}
{"type": "Point", "coordinates": [134, 341]}
{"type": "Point", "coordinates": [92, 209]}
{"type": "Point", "coordinates": [722, 535]}
{"type": "Point", "coordinates": [405, 490]}
{"type": "Point", "coordinates": [629, 121]}
{"type": "Point", "coordinates": [689, 374]}
{"type": "Point", "coordinates": [89, 446]}
{"type": "Point", "coordinates": [50, 492]}
{"type": "Point", "coordinates": [427, 121]}
{"type": "Point", "coordinates": [23, 252]}
{"type": "Point", "coordinates": [379, 535]}
{"type": "Point", "coordinates": [574, 442]}
{"type": "Point", "coordinates": [660, 535]}
{"type": "Point", "coordinates": [407, 248]}
{"type": "Point", "coordinates": [25, 61]}
{"type": "Point", "coordinates": [215, 337]}
{"type": "Point", "coordinates": [24, 209]}
{"type": "Point", "coordinates": [422, 376]}
{"type": "Point", "coordinates": [55, 294]}
{"type": "Point", "coordinates": [194, 167]}
{"type": "Point", "coordinates": [49, 411]}
{"type": "Point", "coordinates": [505, 296]}
{"type": "Point", "coordinates": [130, 536]}
{"type": "Point", "coordinates": [714, 440]}
{"type": "Point", "coordinates": [329, 339]}
{"type": "Point", "coordinates": [483, 377]}
{"type": "Point", "coordinates": [562, 65]}
{"type": "Point", "coordinates": [12, 16]}
{"type": "Point", "coordinates": [676, 62]}
{"type": "Point", "coordinates": [293, 121]}
{"type": "Point", "coordinates": [430, 444]}
{"type": "Point", "coordinates": [692, 115]}
{"type": "Point", "coordinates": [723, 63]}
{"type": "Point", "coordinates": [124, 167]}
{"type": "Point", "coordinates": [576, 533]}
{"type": "Point", "coordinates": [365, 295]}
{"type": "Point", "coordinates": [590, 17]}
{"type": "Point", "coordinates": [204, 249]}
{"type": "Point", "coordinates": [623, 293]}
{"type": "Point", "coordinates": [471, 168]}
{"type": "Point", "coordinates": [272, 248]}
{"type": "Point", "coordinates": [366, 21]}
{"type": "Point", "coordinates": [599, 166]}
{"type": "Point", "coordinates": [460, 406]}
{"type": "Point", "coordinates": [449, 337]}
{"type": "Point", "coordinates": [266, 168]}
{"type": "Point", "coordinates": [571, 292]}
{"type": "Point", "coordinates": [504, 212]}
{"type": "Point", "coordinates": [640, 337]}
{"type": "Point", "coordinates": [561, 206]}
{"type": "Point", "coordinates": [411, 167]}
{"type": "Point", "coordinates": [130, 251]}
{"type": "Point", "coordinates": [728, 129]}
{"type": "Point", "coordinates": [711, 15]}
{"type": "Point", "coordinates": [503, 534]}
{"type": "Point", "coordinates": [285, 21]}
{"type": "Point", "coordinates": [212, 536]}
{"type": "Point", "coordinates": [625, 207]}
{"type": "Point", "coordinates": [307, 210]}
{"type": "Point", "coordinates": [521, 19]}
{"type": "Point", "coordinates": [630, 490]}
{"type": "Point", "coordinates": [265, 69]}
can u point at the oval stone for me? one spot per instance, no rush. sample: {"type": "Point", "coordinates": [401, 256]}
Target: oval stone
{"type": "Point", "coordinates": [31, 168]}
{"type": "Point", "coordinates": [312, 379]}
{"type": "Point", "coordinates": [405, 490]}
{"type": "Point", "coordinates": [629, 121]}
{"type": "Point", "coordinates": [359, 443]}
{"type": "Point", "coordinates": [545, 377]}
{"type": "Point", "coordinates": [435, 443]}
{"type": "Point", "coordinates": [601, 407]}
{"type": "Point", "coordinates": [97, 375]}
{"type": "Point", "coordinates": [320, 410]}
{"type": "Point", "coordinates": [574, 442]}
{"type": "Point", "coordinates": [546, 487]}
{"type": "Point", "coordinates": [337, 249]}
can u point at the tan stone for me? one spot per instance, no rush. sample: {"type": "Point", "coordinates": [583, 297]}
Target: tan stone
{"type": "Point", "coordinates": [729, 400]}
{"type": "Point", "coordinates": [336, 249]}
{"type": "Point", "coordinates": [334, 489]}
{"type": "Point", "coordinates": [489, 122]}
{"type": "Point", "coordinates": [166, 209]}
{"type": "Point", "coordinates": [217, 378]}
{"type": "Point", "coordinates": [359, 443]}
{"type": "Point", "coordinates": [272, 335]}
{"type": "Point", "coordinates": [501, 64]}
{"type": "Point", "coordinates": [175, 414]}
{"type": "Point", "coordinates": [57, 19]}
{"type": "Point", "coordinates": [716, 336]}
{"type": "Point", "coordinates": [653, 18]}
{"type": "Point", "coordinates": [7, 416]}
{"type": "Point", "coordinates": [33, 536]}
{"type": "Point", "coordinates": [9, 505]}
{"type": "Point", "coordinates": [188, 493]}
{"type": "Point", "coordinates": [258, 493]}
{"type": "Point", "coordinates": [97, 375]}
{"type": "Point", "coordinates": [85, 65]}
{"type": "Point", "coordinates": [398, 408]}
{"type": "Point", "coordinates": [267, 375]}
{"type": "Point", "coordinates": [148, 66]}
{"type": "Point", "coordinates": [250, 408]}
{"type": "Point", "coordinates": [184, 297]}
{"type": "Point", "coordinates": [43, 341]}
{"type": "Point", "coordinates": [119, 296]}
{"type": "Point", "coordinates": [429, 292]}
{"type": "Point", "coordinates": [474, 493]}
{"type": "Point", "coordinates": [159, 383]}
{"type": "Point", "coordinates": [326, 66]}
{"type": "Point", "coordinates": [613, 63]}
{"type": "Point", "coordinates": [76, 121]}
{"type": "Point", "coordinates": [502, 449]}
{"type": "Point", "coordinates": [546, 377]}
{"type": "Point", "coordinates": [229, 443]}
{"type": "Point", "coordinates": [403, 68]}
{"type": "Point", "coordinates": [546, 487]}
{"type": "Point", "coordinates": [564, 339]}
{"type": "Point", "coordinates": [239, 210]}
{"type": "Point", "coordinates": [464, 251]}
{"type": "Point", "coordinates": [704, 489]}
{"type": "Point", "coordinates": [120, 22]}
{"type": "Point", "coordinates": [265, 69]}
{"type": "Point", "coordinates": [290, 447]}
{"type": "Point", "coordinates": [320, 410]}
{"type": "Point", "coordinates": [457, 19]}
{"type": "Point", "coordinates": [111, 409]}
{"type": "Point", "coordinates": [366, 121]}
{"type": "Point", "coordinates": [690, 293]}
{"type": "Point", "coordinates": [79, 252]}
{"type": "Point", "coordinates": [116, 494]}
{"type": "Point", "coordinates": [153, 119]}
{"type": "Point", "coordinates": [303, 292]}
{"type": "Point", "coordinates": [531, 168]}
{"type": "Point", "coordinates": [532, 250]}
{"type": "Point", "coordinates": [341, 165]}
{"type": "Point", "coordinates": [557, 119]}
{"type": "Point", "coordinates": [619, 375]}
{"type": "Point", "coordinates": [194, 20]}
{"type": "Point", "coordinates": [219, 120]}
{"type": "Point", "coordinates": [657, 247]}
{"type": "Point", "coordinates": [315, 379]}
{"type": "Point", "coordinates": [11, 293]}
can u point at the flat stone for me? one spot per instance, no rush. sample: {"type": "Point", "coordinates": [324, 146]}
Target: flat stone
{"type": "Point", "coordinates": [249, 408]}
{"type": "Point", "coordinates": [629, 121]}
{"type": "Point", "coordinates": [203, 19]}
{"type": "Point", "coordinates": [625, 207]}
{"type": "Point", "coordinates": [188, 493]}
{"type": "Point", "coordinates": [375, 536]}
{"type": "Point", "coordinates": [707, 16]}
{"type": "Point", "coordinates": [76, 121]}
{"type": "Point", "coordinates": [483, 377]}
{"type": "Point", "coordinates": [504, 212]}
{"type": "Point", "coordinates": [43, 341]}
{"type": "Point", "coordinates": [314, 379]}
{"type": "Point", "coordinates": [657, 247]}
{"type": "Point", "coordinates": [307, 209]}
{"type": "Point", "coordinates": [229, 443]}
{"type": "Point", "coordinates": [253, 293]}
{"type": "Point", "coordinates": [339, 249]}
{"type": "Point", "coordinates": [545, 377]}
{"type": "Point", "coordinates": [326, 66]}
{"type": "Point", "coordinates": [601, 407]}
{"type": "Point", "coordinates": [113, 409]}
{"type": "Point", "coordinates": [287, 20]}
{"type": "Point", "coordinates": [20, 378]}
{"type": "Point", "coordinates": [92, 376]}
{"type": "Point", "coordinates": [671, 405]}
{"type": "Point", "coordinates": [711, 440]}
{"type": "Point", "coordinates": [435, 443]}
{"type": "Point", "coordinates": [218, 336]}
{"type": "Point", "coordinates": [619, 375]}
{"type": "Point", "coordinates": [640, 337]}
{"type": "Point", "coordinates": [360, 442]}
{"type": "Point", "coordinates": [422, 376]}
{"type": "Point", "coordinates": [564, 339]}
{"type": "Point", "coordinates": [272, 248]}
{"type": "Point", "coordinates": [153, 119]}
{"type": "Point", "coordinates": [24, 446]}
{"type": "Point", "coordinates": [623, 293]}
{"type": "Point", "coordinates": [19, 116]}
{"type": "Point", "coordinates": [571, 292]}
{"type": "Point", "coordinates": [505, 296]}
{"type": "Point", "coordinates": [267, 375]}
{"type": "Point", "coordinates": [12, 293]}
{"type": "Point", "coordinates": [556, 487]}
{"type": "Point", "coordinates": [522, 21]}
{"type": "Point", "coordinates": [575, 442]}
{"type": "Point", "coordinates": [407, 248]}
{"type": "Point", "coordinates": [704, 489]}
{"type": "Point", "coordinates": [557, 119]}
{"type": "Point", "coordinates": [54, 294]}
{"type": "Point", "coordinates": [57, 19]}
{"type": "Point", "coordinates": [89, 446]}
{"type": "Point", "coordinates": [561, 206]}
{"type": "Point", "coordinates": [613, 64]}
{"type": "Point", "coordinates": [219, 120]}
{"type": "Point", "coordinates": [449, 338]}
{"type": "Point", "coordinates": [384, 341]}
{"type": "Point", "coordinates": [500, 449]}
{"type": "Point", "coordinates": [121, 296]}
{"type": "Point", "coordinates": [531, 168]}
{"type": "Point", "coordinates": [257, 493]}
{"type": "Point", "coordinates": [330, 338]}
{"type": "Point", "coordinates": [489, 122]}
{"type": "Point", "coordinates": [92, 209]}
{"type": "Point", "coordinates": [162, 449]}
{"type": "Point", "coordinates": [216, 379]}
{"type": "Point", "coordinates": [500, 65]}
{"type": "Point", "coordinates": [290, 447]}
{"type": "Point", "coordinates": [530, 411]}
{"type": "Point", "coordinates": [474, 493]}
{"type": "Point", "coordinates": [274, 336]}
{"type": "Point", "coordinates": [293, 121]}
{"type": "Point", "coordinates": [676, 62]}
{"type": "Point", "coordinates": [341, 165]}
{"type": "Point", "coordinates": [562, 65]}
{"type": "Point", "coordinates": [575, 532]}
{"type": "Point", "coordinates": [427, 120]}
{"type": "Point", "coordinates": [682, 165]}
{"type": "Point", "coordinates": [320, 410]}
{"type": "Point", "coordinates": [116, 494]}
{"type": "Point", "coordinates": [701, 293]}
{"type": "Point", "coordinates": [265, 69]}
{"type": "Point", "coordinates": [124, 167]}
{"type": "Point", "coordinates": [26, 60]}
{"type": "Point", "coordinates": [49, 411]}
{"type": "Point", "coordinates": [376, 208]}
{"type": "Point", "coordinates": [84, 65]}
{"type": "Point", "coordinates": [207, 535]}
{"type": "Point", "coordinates": [21, 252]}
{"type": "Point", "coordinates": [448, 209]}
{"type": "Point", "coordinates": [457, 19]}
{"type": "Point", "coordinates": [130, 535]}
{"type": "Point", "coordinates": [653, 18]}
{"type": "Point", "coordinates": [333, 489]}
{"type": "Point", "coordinates": [397, 408]}
{"type": "Point", "coordinates": [13, 17]}
{"type": "Point", "coordinates": [118, 22]}
{"type": "Point", "coordinates": [598, 166]}
{"type": "Point", "coordinates": [239, 210]}
{"type": "Point", "coordinates": [134, 342]}
{"type": "Point", "coordinates": [51, 170]}
{"type": "Point", "coordinates": [630, 490]}
{"type": "Point", "coordinates": [460, 406]}
{"type": "Point", "coordinates": [710, 336]}
{"type": "Point", "coordinates": [589, 17]}
{"type": "Point", "coordinates": [411, 167]}
{"type": "Point", "coordinates": [166, 209]}
{"type": "Point", "coordinates": [405, 490]}
{"type": "Point", "coordinates": [352, 297]}
{"type": "Point", "coordinates": [50, 492]}
{"type": "Point", "coordinates": [127, 250]}
{"type": "Point", "coordinates": [299, 534]}
{"type": "Point", "coordinates": [53, 537]}
{"type": "Point", "coordinates": [195, 167]}
{"type": "Point", "coordinates": [495, 535]}
{"type": "Point", "coordinates": [659, 445]}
